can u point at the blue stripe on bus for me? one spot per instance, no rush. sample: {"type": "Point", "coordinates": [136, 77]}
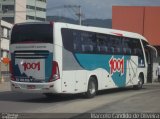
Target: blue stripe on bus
{"type": "Point", "coordinates": [94, 61]}
{"type": "Point", "coordinates": [48, 66]}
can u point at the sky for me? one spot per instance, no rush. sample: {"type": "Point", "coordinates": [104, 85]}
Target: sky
{"type": "Point", "coordinates": [99, 9]}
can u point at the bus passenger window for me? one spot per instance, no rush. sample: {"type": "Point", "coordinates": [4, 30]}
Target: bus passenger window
{"type": "Point", "coordinates": [127, 51]}
{"type": "Point", "coordinates": [116, 50]}
{"type": "Point", "coordinates": [87, 48]}
{"type": "Point", "coordinates": [75, 46]}
{"type": "Point", "coordinates": [115, 44]}
{"type": "Point", "coordinates": [137, 52]}
{"type": "Point", "coordinates": [104, 49]}
{"type": "Point", "coordinates": [76, 41]}
{"type": "Point", "coordinates": [111, 50]}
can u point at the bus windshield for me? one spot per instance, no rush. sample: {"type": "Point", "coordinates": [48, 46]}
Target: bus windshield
{"type": "Point", "coordinates": [32, 33]}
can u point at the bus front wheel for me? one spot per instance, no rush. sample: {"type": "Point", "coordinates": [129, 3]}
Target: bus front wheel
{"type": "Point", "coordinates": [92, 88]}
{"type": "Point", "coordinates": [140, 83]}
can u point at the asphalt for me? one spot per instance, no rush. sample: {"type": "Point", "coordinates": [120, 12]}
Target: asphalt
{"type": "Point", "coordinates": [5, 85]}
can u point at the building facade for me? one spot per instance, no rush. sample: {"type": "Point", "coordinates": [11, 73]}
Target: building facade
{"type": "Point", "coordinates": [140, 19]}
{"type": "Point", "coordinates": [17, 11]}
{"type": "Point", "coordinates": [4, 43]}
{"type": "Point", "coordinates": [5, 36]}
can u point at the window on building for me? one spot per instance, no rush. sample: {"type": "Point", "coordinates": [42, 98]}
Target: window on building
{"type": "Point", "coordinates": [8, 8]}
{"type": "Point", "coordinates": [4, 53]}
{"type": "Point", "coordinates": [30, 7]}
{"type": "Point", "coordinates": [40, 19]}
{"type": "Point", "coordinates": [5, 32]}
{"type": "Point", "coordinates": [8, 19]}
{"type": "Point", "coordinates": [41, 9]}
{"type": "Point", "coordinates": [30, 17]}
{"type": "Point", "coordinates": [42, 0]}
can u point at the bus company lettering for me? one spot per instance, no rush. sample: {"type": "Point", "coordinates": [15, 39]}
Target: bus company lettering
{"type": "Point", "coordinates": [116, 65]}
{"type": "Point", "coordinates": [33, 66]}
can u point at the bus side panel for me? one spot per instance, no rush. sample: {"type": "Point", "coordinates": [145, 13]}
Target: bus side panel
{"type": "Point", "coordinates": [132, 67]}
{"type": "Point", "coordinates": [74, 77]}
{"type": "Point", "coordinates": [68, 82]}
{"type": "Point", "coordinates": [115, 65]}
{"type": "Point", "coordinates": [81, 81]}
{"type": "Point", "coordinates": [57, 54]}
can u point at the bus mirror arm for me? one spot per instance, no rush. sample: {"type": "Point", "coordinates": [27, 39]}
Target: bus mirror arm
{"type": "Point", "coordinates": [152, 47]}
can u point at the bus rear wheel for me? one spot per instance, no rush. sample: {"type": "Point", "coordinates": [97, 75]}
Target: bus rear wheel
{"type": "Point", "coordinates": [92, 88]}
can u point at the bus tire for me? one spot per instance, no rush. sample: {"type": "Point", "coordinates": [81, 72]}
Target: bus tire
{"type": "Point", "coordinates": [92, 88]}
{"type": "Point", "coordinates": [140, 83]}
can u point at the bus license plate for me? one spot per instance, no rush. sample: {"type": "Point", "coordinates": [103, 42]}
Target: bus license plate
{"type": "Point", "coordinates": [31, 86]}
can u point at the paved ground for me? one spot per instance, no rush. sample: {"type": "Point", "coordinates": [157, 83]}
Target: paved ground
{"type": "Point", "coordinates": [4, 86]}
{"type": "Point", "coordinates": [117, 100]}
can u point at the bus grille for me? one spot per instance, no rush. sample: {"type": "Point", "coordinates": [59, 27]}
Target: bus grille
{"type": "Point", "coordinates": [31, 54]}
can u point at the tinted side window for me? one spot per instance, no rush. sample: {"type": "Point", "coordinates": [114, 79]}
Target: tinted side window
{"type": "Point", "coordinates": [102, 43]}
{"type": "Point", "coordinates": [131, 46]}
{"type": "Point", "coordinates": [88, 41]}
{"type": "Point", "coordinates": [136, 47]}
{"type": "Point", "coordinates": [67, 39]}
{"type": "Point", "coordinates": [115, 45]}
{"type": "Point", "coordinates": [77, 41]}
{"type": "Point", "coordinates": [127, 46]}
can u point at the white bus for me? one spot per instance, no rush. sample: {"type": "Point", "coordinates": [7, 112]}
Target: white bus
{"type": "Point", "coordinates": [64, 58]}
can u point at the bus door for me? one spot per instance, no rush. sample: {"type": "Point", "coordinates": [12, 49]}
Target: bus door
{"type": "Point", "coordinates": [132, 65]}
{"type": "Point", "coordinates": [150, 52]}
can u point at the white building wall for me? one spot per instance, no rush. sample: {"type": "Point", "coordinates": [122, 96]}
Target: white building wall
{"type": "Point", "coordinates": [4, 44]}
{"type": "Point", "coordinates": [36, 13]}
{"type": "Point", "coordinates": [19, 14]}
{"type": "Point", "coordinates": [20, 8]}
{"type": "Point", "coordinates": [5, 37]}
{"type": "Point", "coordinates": [7, 12]}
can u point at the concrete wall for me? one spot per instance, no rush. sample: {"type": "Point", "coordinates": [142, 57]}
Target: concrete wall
{"type": "Point", "coordinates": [143, 20]}
{"type": "Point", "coordinates": [37, 13]}
{"type": "Point", "coordinates": [139, 19]}
{"type": "Point", "coordinates": [128, 18]}
{"type": "Point", "coordinates": [152, 25]}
